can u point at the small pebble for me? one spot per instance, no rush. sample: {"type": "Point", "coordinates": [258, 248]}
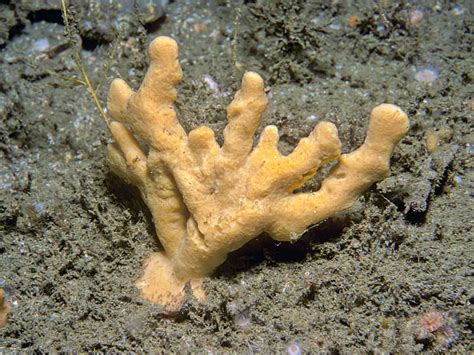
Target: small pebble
{"type": "Point", "coordinates": [416, 16]}
{"type": "Point", "coordinates": [427, 75]}
{"type": "Point", "coordinates": [293, 349]}
{"type": "Point", "coordinates": [41, 45]}
{"type": "Point", "coordinates": [457, 11]}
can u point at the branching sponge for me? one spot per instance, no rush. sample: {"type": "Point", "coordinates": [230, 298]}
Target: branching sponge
{"type": "Point", "coordinates": [208, 200]}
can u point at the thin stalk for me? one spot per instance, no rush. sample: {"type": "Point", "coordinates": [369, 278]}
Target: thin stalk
{"type": "Point", "coordinates": [81, 69]}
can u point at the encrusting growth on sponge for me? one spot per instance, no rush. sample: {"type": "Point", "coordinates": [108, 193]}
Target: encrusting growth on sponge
{"type": "Point", "coordinates": [207, 200]}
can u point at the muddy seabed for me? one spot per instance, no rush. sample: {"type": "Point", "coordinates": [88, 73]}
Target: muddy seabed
{"type": "Point", "coordinates": [73, 236]}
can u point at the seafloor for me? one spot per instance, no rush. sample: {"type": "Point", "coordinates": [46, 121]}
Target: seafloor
{"type": "Point", "coordinates": [392, 274]}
